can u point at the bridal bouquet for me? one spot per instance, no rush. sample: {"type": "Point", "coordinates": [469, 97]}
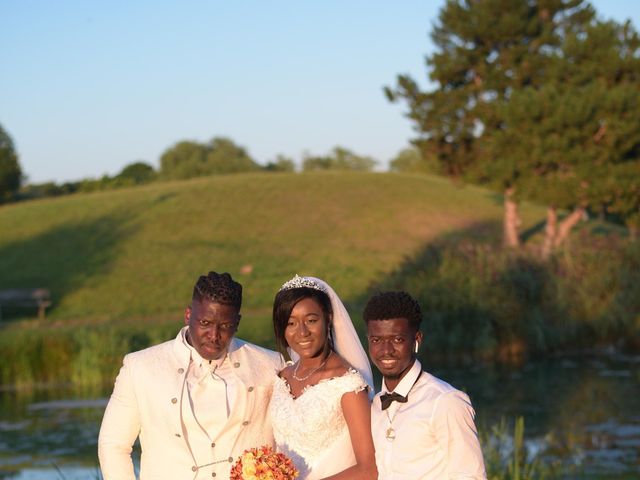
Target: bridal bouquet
{"type": "Point", "coordinates": [263, 464]}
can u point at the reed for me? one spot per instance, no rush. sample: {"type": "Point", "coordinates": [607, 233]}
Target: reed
{"type": "Point", "coordinates": [87, 356]}
{"type": "Point", "coordinates": [506, 456]}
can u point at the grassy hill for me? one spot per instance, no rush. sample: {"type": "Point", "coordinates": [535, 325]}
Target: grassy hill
{"type": "Point", "coordinates": [121, 265]}
{"type": "Point", "coordinates": [137, 252]}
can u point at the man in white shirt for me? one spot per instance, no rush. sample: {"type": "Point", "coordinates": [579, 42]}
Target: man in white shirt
{"type": "Point", "coordinates": [196, 402]}
{"type": "Point", "coordinates": [423, 428]}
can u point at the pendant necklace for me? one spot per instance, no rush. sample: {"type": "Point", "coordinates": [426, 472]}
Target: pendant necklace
{"type": "Point", "coordinates": [302, 379]}
{"type": "Point", "coordinates": [390, 433]}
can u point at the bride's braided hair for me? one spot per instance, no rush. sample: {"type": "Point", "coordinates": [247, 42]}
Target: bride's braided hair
{"type": "Point", "coordinates": [218, 288]}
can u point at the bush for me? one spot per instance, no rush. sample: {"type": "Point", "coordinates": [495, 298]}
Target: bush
{"type": "Point", "coordinates": [483, 301]}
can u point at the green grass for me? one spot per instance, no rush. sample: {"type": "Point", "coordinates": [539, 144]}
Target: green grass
{"type": "Point", "coordinates": [137, 252]}
{"type": "Point", "coordinates": [121, 266]}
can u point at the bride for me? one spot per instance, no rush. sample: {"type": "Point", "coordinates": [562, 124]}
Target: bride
{"type": "Point", "coordinates": [320, 403]}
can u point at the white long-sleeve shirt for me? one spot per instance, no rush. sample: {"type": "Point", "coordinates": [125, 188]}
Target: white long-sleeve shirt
{"type": "Point", "coordinates": [435, 434]}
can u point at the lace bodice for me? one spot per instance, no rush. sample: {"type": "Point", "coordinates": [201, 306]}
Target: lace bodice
{"type": "Point", "coordinates": [308, 426]}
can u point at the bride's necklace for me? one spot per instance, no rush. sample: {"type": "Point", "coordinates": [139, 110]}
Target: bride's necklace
{"type": "Point", "coordinates": [302, 379]}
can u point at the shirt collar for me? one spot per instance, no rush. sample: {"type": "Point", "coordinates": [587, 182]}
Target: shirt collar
{"type": "Point", "coordinates": [407, 381]}
{"type": "Point", "coordinates": [195, 356]}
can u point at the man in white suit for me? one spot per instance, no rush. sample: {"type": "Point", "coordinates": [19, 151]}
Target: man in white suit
{"type": "Point", "coordinates": [196, 402]}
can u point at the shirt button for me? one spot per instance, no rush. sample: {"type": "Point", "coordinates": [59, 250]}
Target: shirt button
{"type": "Point", "coordinates": [174, 400]}
{"type": "Point", "coordinates": [181, 370]}
{"type": "Point", "coordinates": [251, 389]}
{"type": "Point", "coordinates": [236, 365]}
{"type": "Point", "coordinates": [245, 423]}
{"type": "Point", "coordinates": [194, 468]}
{"type": "Point", "coordinates": [178, 435]}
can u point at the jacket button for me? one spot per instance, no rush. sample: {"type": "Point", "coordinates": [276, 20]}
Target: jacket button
{"type": "Point", "coordinates": [236, 365]}
{"type": "Point", "coordinates": [174, 400]}
{"type": "Point", "coordinates": [230, 459]}
{"type": "Point", "coordinates": [213, 474]}
{"type": "Point", "coordinates": [178, 435]}
{"type": "Point", "coordinates": [213, 445]}
{"type": "Point", "coordinates": [181, 370]}
{"type": "Point", "coordinates": [194, 468]}
{"type": "Point", "coordinates": [251, 389]}
{"type": "Point", "coordinates": [245, 423]}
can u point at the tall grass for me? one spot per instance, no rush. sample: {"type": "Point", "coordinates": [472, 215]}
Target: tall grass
{"type": "Point", "coordinates": [482, 301]}
{"type": "Point", "coordinates": [506, 456]}
{"type": "Point", "coordinates": [87, 357]}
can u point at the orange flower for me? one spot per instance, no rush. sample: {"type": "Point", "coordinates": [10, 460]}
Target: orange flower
{"type": "Point", "coordinates": [263, 464]}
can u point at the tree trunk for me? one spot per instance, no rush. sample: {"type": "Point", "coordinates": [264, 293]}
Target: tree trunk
{"type": "Point", "coordinates": [511, 220]}
{"type": "Point", "coordinates": [550, 232]}
{"type": "Point", "coordinates": [567, 224]}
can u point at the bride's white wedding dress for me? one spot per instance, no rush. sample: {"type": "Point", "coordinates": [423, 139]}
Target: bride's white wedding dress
{"type": "Point", "coordinates": [311, 428]}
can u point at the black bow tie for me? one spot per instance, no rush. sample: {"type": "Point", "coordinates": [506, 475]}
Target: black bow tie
{"type": "Point", "coordinates": [387, 398]}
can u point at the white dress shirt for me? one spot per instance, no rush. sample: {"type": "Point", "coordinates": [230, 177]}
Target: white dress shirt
{"type": "Point", "coordinates": [435, 435]}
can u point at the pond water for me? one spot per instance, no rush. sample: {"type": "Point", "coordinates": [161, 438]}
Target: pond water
{"type": "Point", "coordinates": [582, 411]}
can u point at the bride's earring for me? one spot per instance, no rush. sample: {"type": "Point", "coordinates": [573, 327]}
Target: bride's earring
{"type": "Point", "coordinates": [415, 349]}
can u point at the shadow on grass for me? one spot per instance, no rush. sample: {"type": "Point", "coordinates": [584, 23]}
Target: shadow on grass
{"type": "Point", "coordinates": [62, 259]}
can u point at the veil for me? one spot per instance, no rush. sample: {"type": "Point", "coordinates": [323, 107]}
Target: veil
{"type": "Point", "coordinates": [345, 338]}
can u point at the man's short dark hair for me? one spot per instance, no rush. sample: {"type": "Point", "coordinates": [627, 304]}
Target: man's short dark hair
{"type": "Point", "coordinates": [395, 304]}
{"type": "Point", "coordinates": [218, 288]}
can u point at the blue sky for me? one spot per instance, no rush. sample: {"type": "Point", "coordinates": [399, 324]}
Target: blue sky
{"type": "Point", "coordinates": [88, 87]}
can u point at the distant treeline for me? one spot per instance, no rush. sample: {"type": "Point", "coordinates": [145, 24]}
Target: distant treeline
{"type": "Point", "coordinates": [189, 159]}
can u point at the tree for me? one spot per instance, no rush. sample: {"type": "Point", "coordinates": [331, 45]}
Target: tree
{"type": "Point", "coordinates": [410, 160]}
{"type": "Point", "coordinates": [575, 141]}
{"type": "Point", "coordinates": [137, 173]}
{"type": "Point", "coordinates": [189, 159]}
{"type": "Point", "coordinates": [339, 158]}
{"type": "Point", "coordinates": [186, 159]}
{"type": "Point", "coordinates": [224, 156]}
{"type": "Point", "coordinates": [282, 163]}
{"type": "Point", "coordinates": [486, 51]}
{"type": "Point", "coordinates": [10, 172]}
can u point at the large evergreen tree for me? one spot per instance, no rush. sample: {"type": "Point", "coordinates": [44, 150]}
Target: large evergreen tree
{"type": "Point", "coordinates": [539, 100]}
{"type": "Point", "coordinates": [574, 143]}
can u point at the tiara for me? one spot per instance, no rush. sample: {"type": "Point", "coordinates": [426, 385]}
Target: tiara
{"type": "Point", "coordinates": [302, 282]}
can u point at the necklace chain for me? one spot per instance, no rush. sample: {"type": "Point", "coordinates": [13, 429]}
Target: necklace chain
{"type": "Point", "coordinates": [302, 379]}
{"type": "Point", "coordinates": [390, 433]}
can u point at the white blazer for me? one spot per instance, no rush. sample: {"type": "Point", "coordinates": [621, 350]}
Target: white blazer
{"type": "Point", "coordinates": [147, 402]}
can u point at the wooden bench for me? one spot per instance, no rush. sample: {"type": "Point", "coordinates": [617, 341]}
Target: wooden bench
{"type": "Point", "coordinates": [32, 297]}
